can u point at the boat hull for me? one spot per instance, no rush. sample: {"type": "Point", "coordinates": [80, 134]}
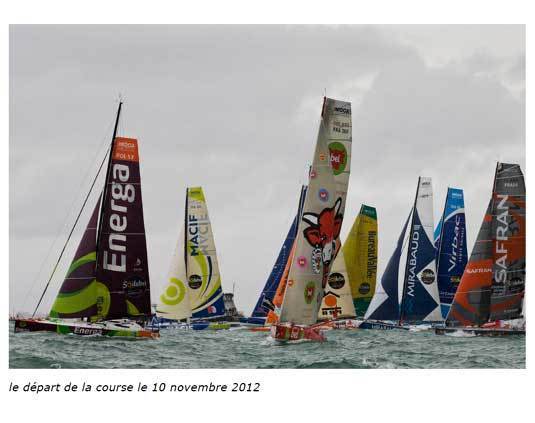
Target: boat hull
{"type": "Point", "coordinates": [82, 329]}
{"type": "Point", "coordinates": [295, 333]}
{"type": "Point", "coordinates": [377, 325]}
{"type": "Point", "coordinates": [480, 331]}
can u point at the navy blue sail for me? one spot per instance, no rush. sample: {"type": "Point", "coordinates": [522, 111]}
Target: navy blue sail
{"type": "Point", "coordinates": [265, 300]}
{"type": "Point", "coordinates": [451, 249]}
{"type": "Point", "coordinates": [385, 302]}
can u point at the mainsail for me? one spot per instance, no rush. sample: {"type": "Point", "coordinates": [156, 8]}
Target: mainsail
{"type": "Point", "coordinates": [360, 253]}
{"type": "Point", "coordinates": [420, 300]}
{"type": "Point", "coordinates": [122, 269]}
{"type": "Point", "coordinates": [265, 301]}
{"type": "Point", "coordinates": [318, 233]}
{"type": "Point", "coordinates": [493, 283]}
{"type": "Point", "coordinates": [77, 296]}
{"type": "Point", "coordinates": [204, 280]}
{"type": "Point", "coordinates": [451, 253]}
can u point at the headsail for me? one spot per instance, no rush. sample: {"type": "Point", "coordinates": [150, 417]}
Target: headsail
{"type": "Point", "coordinates": [265, 301]}
{"type": "Point", "coordinates": [122, 268]}
{"type": "Point", "coordinates": [509, 243]}
{"type": "Point", "coordinates": [204, 280]}
{"type": "Point", "coordinates": [319, 228]}
{"type": "Point", "coordinates": [77, 296]}
{"type": "Point", "coordinates": [420, 300]}
{"type": "Point", "coordinates": [451, 254]}
{"type": "Point", "coordinates": [174, 302]}
{"type": "Point", "coordinates": [360, 253]}
{"type": "Point", "coordinates": [385, 303]}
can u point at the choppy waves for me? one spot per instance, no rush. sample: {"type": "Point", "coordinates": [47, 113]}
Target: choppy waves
{"type": "Point", "coordinates": [243, 349]}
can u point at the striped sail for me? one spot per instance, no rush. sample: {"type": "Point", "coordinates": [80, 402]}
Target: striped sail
{"type": "Point", "coordinates": [265, 302]}
{"type": "Point", "coordinates": [204, 280]}
{"type": "Point", "coordinates": [318, 233]}
{"type": "Point", "coordinates": [174, 302]}
{"type": "Point", "coordinates": [420, 300]}
{"type": "Point", "coordinates": [122, 272]}
{"type": "Point", "coordinates": [451, 253]}
{"type": "Point", "coordinates": [360, 253]}
{"type": "Point", "coordinates": [77, 296]}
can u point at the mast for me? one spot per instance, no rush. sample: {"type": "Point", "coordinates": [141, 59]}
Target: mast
{"type": "Point", "coordinates": [108, 171]}
{"type": "Point", "coordinates": [407, 260]}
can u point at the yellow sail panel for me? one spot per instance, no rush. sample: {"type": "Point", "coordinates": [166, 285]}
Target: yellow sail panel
{"type": "Point", "coordinates": [360, 253]}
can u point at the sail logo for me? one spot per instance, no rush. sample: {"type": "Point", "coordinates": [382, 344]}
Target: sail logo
{"type": "Point", "coordinates": [371, 267]}
{"type": "Point", "coordinates": [343, 110]}
{"type": "Point", "coordinates": [455, 243]}
{"type": "Point", "coordinates": [301, 261]}
{"type": "Point", "coordinates": [428, 276]}
{"type": "Point", "coordinates": [323, 194]}
{"type": "Point", "coordinates": [322, 234]}
{"type": "Point", "coordinates": [364, 288]}
{"type": "Point", "coordinates": [309, 292]}
{"type": "Point", "coordinates": [195, 281]}
{"type": "Point", "coordinates": [412, 263]}
{"type": "Point", "coordinates": [338, 155]}
{"type": "Point", "coordinates": [502, 226]}
{"type": "Point", "coordinates": [336, 280]}
{"type": "Point", "coordinates": [198, 229]}
{"type": "Point", "coordinates": [122, 193]}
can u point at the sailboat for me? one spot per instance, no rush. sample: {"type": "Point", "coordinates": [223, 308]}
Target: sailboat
{"type": "Point", "coordinates": [265, 304]}
{"type": "Point", "coordinates": [351, 284]}
{"type": "Point", "coordinates": [490, 297]}
{"type": "Point", "coordinates": [193, 291]}
{"type": "Point", "coordinates": [106, 290]}
{"type": "Point", "coordinates": [408, 293]}
{"type": "Point", "coordinates": [450, 244]}
{"type": "Point", "coordinates": [317, 242]}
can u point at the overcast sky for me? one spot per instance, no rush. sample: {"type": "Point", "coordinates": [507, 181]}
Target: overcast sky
{"type": "Point", "coordinates": [236, 109]}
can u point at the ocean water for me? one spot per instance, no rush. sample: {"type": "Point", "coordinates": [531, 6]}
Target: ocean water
{"type": "Point", "coordinates": [367, 349]}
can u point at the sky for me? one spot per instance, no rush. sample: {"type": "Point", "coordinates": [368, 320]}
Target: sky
{"type": "Point", "coordinates": [236, 109]}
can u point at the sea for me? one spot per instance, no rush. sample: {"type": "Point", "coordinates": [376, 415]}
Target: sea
{"type": "Point", "coordinates": [183, 349]}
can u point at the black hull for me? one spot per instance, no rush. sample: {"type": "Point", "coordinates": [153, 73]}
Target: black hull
{"type": "Point", "coordinates": [481, 331]}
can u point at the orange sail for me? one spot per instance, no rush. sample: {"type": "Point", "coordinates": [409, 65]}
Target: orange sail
{"type": "Point", "coordinates": [272, 316]}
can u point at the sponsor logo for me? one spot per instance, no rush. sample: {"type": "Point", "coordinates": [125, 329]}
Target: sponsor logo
{"type": "Point", "coordinates": [121, 194]}
{"type": "Point", "coordinates": [310, 288]}
{"type": "Point", "coordinates": [87, 331]}
{"type": "Point", "coordinates": [455, 280]}
{"type": "Point", "coordinates": [198, 230]}
{"type": "Point", "coordinates": [343, 110]}
{"type": "Point", "coordinates": [212, 309]}
{"type": "Point", "coordinates": [428, 276]}
{"type": "Point", "coordinates": [195, 281]}
{"type": "Point", "coordinates": [323, 194]}
{"type": "Point", "coordinates": [338, 157]}
{"type": "Point", "coordinates": [502, 227]}
{"type": "Point", "coordinates": [455, 244]}
{"type": "Point", "coordinates": [301, 261]}
{"type": "Point", "coordinates": [412, 261]}
{"type": "Point", "coordinates": [364, 288]}
{"type": "Point", "coordinates": [478, 270]}
{"type": "Point", "coordinates": [322, 157]}
{"type": "Point", "coordinates": [323, 234]}
{"type": "Point", "coordinates": [134, 286]}
{"type": "Point", "coordinates": [336, 280]}
{"type": "Point", "coordinates": [511, 184]}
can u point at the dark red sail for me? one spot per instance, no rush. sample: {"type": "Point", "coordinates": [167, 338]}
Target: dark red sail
{"type": "Point", "coordinates": [122, 267]}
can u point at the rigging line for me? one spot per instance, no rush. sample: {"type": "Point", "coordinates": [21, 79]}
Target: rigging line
{"type": "Point", "coordinates": [72, 229]}
{"type": "Point", "coordinates": [71, 208]}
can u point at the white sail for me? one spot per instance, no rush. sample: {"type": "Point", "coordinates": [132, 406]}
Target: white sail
{"type": "Point", "coordinates": [317, 238]}
{"type": "Point", "coordinates": [174, 303]}
{"type": "Point", "coordinates": [337, 299]}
